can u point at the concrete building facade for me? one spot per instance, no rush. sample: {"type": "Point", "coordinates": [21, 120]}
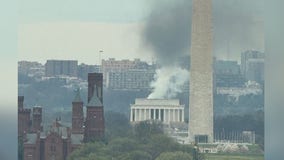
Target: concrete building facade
{"type": "Point", "coordinates": [255, 70]}
{"type": "Point", "coordinates": [201, 74]}
{"type": "Point", "coordinates": [127, 74]}
{"type": "Point", "coordinates": [164, 110]}
{"type": "Point", "coordinates": [61, 67]}
{"type": "Point", "coordinates": [134, 79]}
{"type": "Point", "coordinates": [252, 65]}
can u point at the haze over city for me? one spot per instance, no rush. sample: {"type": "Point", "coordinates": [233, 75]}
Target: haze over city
{"type": "Point", "coordinates": [127, 32]}
{"type": "Point", "coordinates": [189, 74]}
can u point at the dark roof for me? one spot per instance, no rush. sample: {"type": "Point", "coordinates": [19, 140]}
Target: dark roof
{"type": "Point", "coordinates": [77, 97]}
{"type": "Point", "coordinates": [95, 101]}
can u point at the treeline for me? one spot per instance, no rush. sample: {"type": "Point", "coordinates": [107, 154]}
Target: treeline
{"type": "Point", "coordinates": [238, 123]}
{"type": "Point", "coordinates": [144, 141]}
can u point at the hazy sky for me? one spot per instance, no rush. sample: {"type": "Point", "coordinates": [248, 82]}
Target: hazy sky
{"type": "Point", "coordinates": [78, 29]}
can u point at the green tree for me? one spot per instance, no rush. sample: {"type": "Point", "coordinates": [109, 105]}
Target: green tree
{"type": "Point", "coordinates": [174, 156]}
{"type": "Point", "coordinates": [136, 155]}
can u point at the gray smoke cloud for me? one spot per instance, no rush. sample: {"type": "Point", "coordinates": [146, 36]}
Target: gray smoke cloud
{"type": "Point", "coordinates": [237, 26]}
{"type": "Point", "coordinates": [167, 31]}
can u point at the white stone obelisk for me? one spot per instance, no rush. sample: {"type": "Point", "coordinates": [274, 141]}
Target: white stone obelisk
{"type": "Point", "coordinates": [201, 73]}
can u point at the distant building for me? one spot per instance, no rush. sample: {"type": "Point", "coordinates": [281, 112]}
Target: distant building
{"type": "Point", "coordinates": [26, 67]}
{"type": "Point", "coordinates": [127, 74]}
{"type": "Point", "coordinates": [56, 144]}
{"type": "Point", "coordinates": [61, 67]}
{"type": "Point", "coordinates": [95, 125]}
{"type": "Point", "coordinates": [84, 69]}
{"type": "Point", "coordinates": [226, 67]}
{"type": "Point", "coordinates": [77, 114]}
{"type": "Point", "coordinates": [164, 110]}
{"type": "Point", "coordinates": [255, 70]}
{"type": "Point", "coordinates": [134, 79]}
{"type": "Point", "coordinates": [28, 120]}
{"type": "Point", "coordinates": [60, 141]}
{"type": "Point", "coordinates": [119, 65]}
{"type": "Point", "coordinates": [252, 65]}
{"type": "Point", "coordinates": [94, 120]}
{"type": "Point", "coordinates": [37, 119]}
{"type": "Point", "coordinates": [227, 74]}
{"type": "Point", "coordinates": [24, 121]}
{"type": "Point", "coordinates": [95, 80]}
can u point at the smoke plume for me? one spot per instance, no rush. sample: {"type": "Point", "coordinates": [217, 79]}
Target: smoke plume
{"type": "Point", "coordinates": [167, 31]}
{"type": "Point", "coordinates": [237, 26]}
{"type": "Point", "coordinates": [168, 82]}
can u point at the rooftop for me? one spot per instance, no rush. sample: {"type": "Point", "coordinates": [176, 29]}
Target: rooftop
{"type": "Point", "coordinates": [77, 97]}
{"type": "Point", "coordinates": [164, 102]}
{"type": "Point", "coordinates": [95, 101]}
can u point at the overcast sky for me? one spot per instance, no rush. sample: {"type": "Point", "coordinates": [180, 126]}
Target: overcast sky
{"type": "Point", "coordinates": [78, 29]}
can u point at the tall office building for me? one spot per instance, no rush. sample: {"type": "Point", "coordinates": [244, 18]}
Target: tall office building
{"type": "Point", "coordinates": [201, 74]}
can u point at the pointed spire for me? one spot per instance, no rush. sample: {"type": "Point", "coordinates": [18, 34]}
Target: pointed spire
{"type": "Point", "coordinates": [95, 101]}
{"type": "Point", "coordinates": [77, 97]}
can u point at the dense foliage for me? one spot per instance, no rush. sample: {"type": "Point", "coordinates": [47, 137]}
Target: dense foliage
{"type": "Point", "coordinates": [145, 141]}
{"type": "Point", "coordinates": [238, 123]}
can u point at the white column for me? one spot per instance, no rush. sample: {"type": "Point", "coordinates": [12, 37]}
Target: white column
{"type": "Point", "coordinates": [169, 114]}
{"type": "Point", "coordinates": [131, 114]}
{"type": "Point", "coordinates": [165, 115]}
{"type": "Point", "coordinates": [178, 115]}
{"type": "Point", "coordinates": [140, 116]}
{"type": "Point", "coordinates": [160, 114]}
{"type": "Point", "coordinates": [136, 115]}
{"type": "Point", "coordinates": [182, 115]}
{"type": "Point", "coordinates": [149, 113]}
{"type": "Point", "coordinates": [163, 118]}
{"type": "Point", "coordinates": [144, 114]}
{"type": "Point", "coordinates": [154, 114]}
{"type": "Point", "coordinates": [174, 113]}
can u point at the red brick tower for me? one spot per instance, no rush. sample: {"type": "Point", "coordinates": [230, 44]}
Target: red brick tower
{"type": "Point", "coordinates": [77, 114]}
{"type": "Point", "coordinates": [20, 102]}
{"type": "Point", "coordinates": [37, 119]}
{"type": "Point", "coordinates": [23, 117]}
{"type": "Point", "coordinates": [95, 119]}
{"type": "Point", "coordinates": [95, 79]}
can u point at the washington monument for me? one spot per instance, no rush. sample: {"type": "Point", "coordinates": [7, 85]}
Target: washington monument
{"type": "Point", "coordinates": [201, 74]}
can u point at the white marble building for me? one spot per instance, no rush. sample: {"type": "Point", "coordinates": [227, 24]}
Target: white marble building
{"type": "Point", "coordinates": [164, 110]}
